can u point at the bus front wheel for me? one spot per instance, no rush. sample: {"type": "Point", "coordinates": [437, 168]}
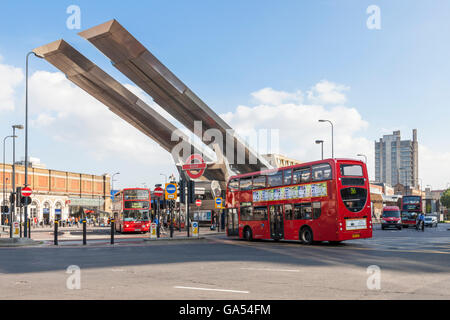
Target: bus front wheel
{"type": "Point", "coordinates": [306, 236]}
{"type": "Point", "coordinates": [248, 234]}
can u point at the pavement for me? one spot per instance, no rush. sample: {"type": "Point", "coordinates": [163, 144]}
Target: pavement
{"type": "Point", "coordinates": [411, 264]}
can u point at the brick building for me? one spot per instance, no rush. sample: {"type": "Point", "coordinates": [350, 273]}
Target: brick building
{"type": "Point", "coordinates": [59, 194]}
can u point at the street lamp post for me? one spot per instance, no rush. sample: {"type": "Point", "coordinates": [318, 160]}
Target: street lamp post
{"type": "Point", "coordinates": [112, 182]}
{"type": "Point", "coordinates": [321, 143]}
{"type": "Point", "coordinates": [363, 155]}
{"type": "Point", "coordinates": [332, 136]}
{"type": "Point", "coordinates": [4, 183]}
{"type": "Point", "coordinates": [165, 176]}
{"type": "Point", "coordinates": [12, 214]}
{"type": "Point", "coordinates": [26, 133]}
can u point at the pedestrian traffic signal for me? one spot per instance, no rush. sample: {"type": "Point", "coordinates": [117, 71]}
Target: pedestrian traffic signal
{"type": "Point", "coordinates": [191, 191]}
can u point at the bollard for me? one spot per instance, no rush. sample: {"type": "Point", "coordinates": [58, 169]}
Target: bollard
{"type": "Point", "coordinates": [84, 232]}
{"type": "Point", "coordinates": [29, 229]}
{"type": "Point", "coordinates": [112, 231]}
{"type": "Point", "coordinates": [56, 233]}
{"type": "Point", "coordinates": [171, 230]}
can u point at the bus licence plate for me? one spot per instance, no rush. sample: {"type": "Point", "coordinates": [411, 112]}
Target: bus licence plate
{"type": "Point", "coordinates": [355, 224]}
{"type": "Point", "coordinates": [137, 229]}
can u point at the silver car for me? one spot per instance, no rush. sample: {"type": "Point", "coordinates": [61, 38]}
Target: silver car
{"type": "Point", "coordinates": [431, 221]}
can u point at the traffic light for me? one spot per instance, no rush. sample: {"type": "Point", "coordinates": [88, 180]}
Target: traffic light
{"type": "Point", "coordinates": [191, 191]}
{"type": "Point", "coordinates": [25, 201]}
{"type": "Point", "coordinates": [182, 192]}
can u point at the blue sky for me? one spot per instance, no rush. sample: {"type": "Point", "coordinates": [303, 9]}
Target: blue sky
{"type": "Point", "coordinates": [397, 77]}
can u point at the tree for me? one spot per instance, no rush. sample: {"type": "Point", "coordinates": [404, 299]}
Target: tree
{"type": "Point", "coordinates": [445, 199]}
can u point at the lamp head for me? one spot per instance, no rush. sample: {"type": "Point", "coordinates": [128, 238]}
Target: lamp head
{"type": "Point", "coordinates": [18, 126]}
{"type": "Point", "coordinates": [319, 141]}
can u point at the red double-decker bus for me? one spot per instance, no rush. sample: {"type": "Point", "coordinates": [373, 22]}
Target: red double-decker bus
{"type": "Point", "coordinates": [327, 200]}
{"type": "Point", "coordinates": [131, 209]}
{"type": "Point", "coordinates": [410, 206]}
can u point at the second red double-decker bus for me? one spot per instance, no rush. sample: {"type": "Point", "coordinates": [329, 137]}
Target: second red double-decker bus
{"type": "Point", "coordinates": [410, 206]}
{"type": "Point", "coordinates": [131, 209]}
{"type": "Point", "coordinates": [327, 200]}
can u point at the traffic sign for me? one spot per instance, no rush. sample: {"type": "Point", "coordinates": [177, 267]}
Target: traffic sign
{"type": "Point", "coordinates": [195, 229]}
{"type": "Point", "coordinates": [153, 231]}
{"type": "Point", "coordinates": [159, 192]}
{"type": "Point", "coordinates": [198, 202]}
{"type": "Point", "coordinates": [26, 192]}
{"type": "Point", "coordinates": [218, 203]}
{"type": "Point", "coordinates": [194, 169]}
{"type": "Point", "coordinates": [171, 191]}
{"type": "Point", "coordinates": [16, 230]}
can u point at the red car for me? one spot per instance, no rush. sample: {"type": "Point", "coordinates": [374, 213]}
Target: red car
{"type": "Point", "coordinates": [391, 218]}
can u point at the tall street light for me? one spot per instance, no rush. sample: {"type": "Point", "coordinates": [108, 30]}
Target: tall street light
{"type": "Point", "coordinates": [165, 176]}
{"type": "Point", "coordinates": [4, 183]}
{"type": "Point", "coordinates": [26, 132]}
{"type": "Point", "coordinates": [363, 155]}
{"type": "Point", "coordinates": [321, 143]}
{"type": "Point", "coordinates": [14, 127]}
{"type": "Point", "coordinates": [112, 182]}
{"type": "Point", "coordinates": [332, 136]}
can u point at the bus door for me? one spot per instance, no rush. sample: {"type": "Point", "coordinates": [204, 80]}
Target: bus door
{"type": "Point", "coordinates": [232, 222]}
{"type": "Point", "coordinates": [276, 222]}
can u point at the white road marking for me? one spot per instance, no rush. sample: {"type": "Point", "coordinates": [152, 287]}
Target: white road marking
{"type": "Point", "coordinates": [266, 269]}
{"type": "Point", "coordinates": [208, 289]}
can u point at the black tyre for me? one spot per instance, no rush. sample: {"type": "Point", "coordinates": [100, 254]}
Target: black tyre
{"type": "Point", "coordinates": [248, 234]}
{"type": "Point", "coordinates": [307, 236]}
{"type": "Point", "coordinates": [399, 228]}
{"type": "Point", "coordinates": [382, 228]}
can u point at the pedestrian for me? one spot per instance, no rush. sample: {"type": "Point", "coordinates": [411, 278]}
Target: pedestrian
{"type": "Point", "coordinates": [420, 222]}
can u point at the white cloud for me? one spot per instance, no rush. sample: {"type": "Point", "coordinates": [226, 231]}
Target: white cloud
{"type": "Point", "coordinates": [326, 92]}
{"type": "Point", "coordinates": [298, 128]}
{"type": "Point", "coordinates": [433, 167]}
{"type": "Point", "coordinates": [70, 115]}
{"type": "Point", "coordinates": [270, 96]}
{"type": "Point", "coordinates": [10, 78]}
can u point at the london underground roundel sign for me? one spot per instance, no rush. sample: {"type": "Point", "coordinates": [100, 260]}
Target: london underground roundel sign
{"type": "Point", "coordinates": [195, 166]}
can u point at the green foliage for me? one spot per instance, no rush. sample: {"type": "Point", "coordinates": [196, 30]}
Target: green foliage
{"type": "Point", "coordinates": [445, 199]}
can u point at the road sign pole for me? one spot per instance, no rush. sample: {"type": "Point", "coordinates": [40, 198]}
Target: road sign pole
{"type": "Point", "coordinates": [187, 209]}
{"type": "Point", "coordinates": [158, 230]}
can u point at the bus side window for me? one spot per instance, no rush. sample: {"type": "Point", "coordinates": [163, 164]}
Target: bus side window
{"type": "Point", "coordinates": [259, 182]}
{"type": "Point", "coordinates": [305, 213]}
{"type": "Point", "coordinates": [287, 176]}
{"type": "Point", "coordinates": [321, 172]}
{"type": "Point", "coordinates": [316, 210]}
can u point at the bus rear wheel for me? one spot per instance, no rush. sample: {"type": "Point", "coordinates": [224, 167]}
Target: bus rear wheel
{"type": "Point", "coordinates": [306, 236]}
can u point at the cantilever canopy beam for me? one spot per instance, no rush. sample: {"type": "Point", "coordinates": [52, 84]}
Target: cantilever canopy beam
{"type": "Point", "coordinates": [116, 97]}
{"type": "Point", "coordinates": [146, 71]}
